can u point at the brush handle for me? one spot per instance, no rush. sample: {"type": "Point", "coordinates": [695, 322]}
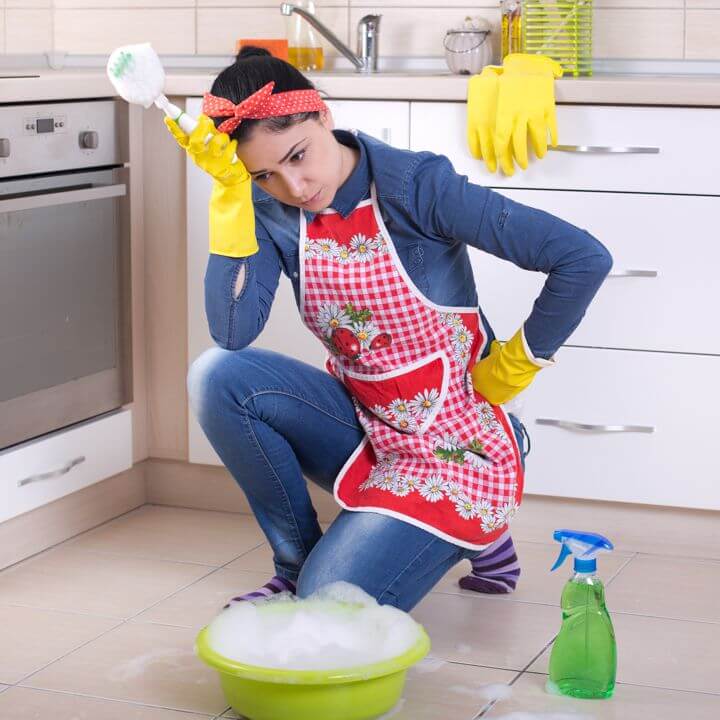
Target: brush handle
{"type": "Point", "coordinates": [187, 124]}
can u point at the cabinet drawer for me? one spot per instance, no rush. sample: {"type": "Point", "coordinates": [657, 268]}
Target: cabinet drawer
{"type": "Point", "coordinates": [46, 469]}
{"type": "Point", "coordinates": [676, 395]}
{"type": "Point", "coordinates": [686, 161]}
{"type": "Point", "coordinates": [670, 236]}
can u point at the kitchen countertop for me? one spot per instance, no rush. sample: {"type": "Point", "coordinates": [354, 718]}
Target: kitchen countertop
{"type": "Point", "coordinates": [695, 90]}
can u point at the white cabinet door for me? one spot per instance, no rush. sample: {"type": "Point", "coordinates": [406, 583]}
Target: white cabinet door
{"type": "Point", "coordinates": [687, 160]}
{"type": "Point", "coordinates": [676, 395]}
{"type": "Point", "coordinates": [672, 236]}
{"type": "Point", "coordinates": [284, 332]}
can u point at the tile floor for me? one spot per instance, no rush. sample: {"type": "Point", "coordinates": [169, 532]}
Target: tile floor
{"type": "Point", "coordinates": [101, 627]}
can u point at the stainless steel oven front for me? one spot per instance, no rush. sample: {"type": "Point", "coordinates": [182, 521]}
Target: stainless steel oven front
{"type": "Point", "coordinates": [65, 340]}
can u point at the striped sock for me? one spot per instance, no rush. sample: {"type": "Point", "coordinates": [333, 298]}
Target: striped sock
{"type": "Point", "coordinates": [272, 587]}
{"type": "Point", "coordinates": [495, 570]}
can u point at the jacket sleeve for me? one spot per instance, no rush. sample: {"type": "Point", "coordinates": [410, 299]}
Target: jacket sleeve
{"type": "Point", "coordinates": [454, 210]}
{"type": "Point", "coordinates": [237, 315]}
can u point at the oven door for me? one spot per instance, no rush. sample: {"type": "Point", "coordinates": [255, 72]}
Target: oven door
{"type": "Point", "coordinates": [64, 301]}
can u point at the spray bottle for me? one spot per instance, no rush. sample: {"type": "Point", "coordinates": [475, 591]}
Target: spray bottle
{"type": "Point", "coordinates": [584, 656]}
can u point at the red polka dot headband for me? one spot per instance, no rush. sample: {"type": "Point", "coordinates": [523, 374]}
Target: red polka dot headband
{"type": "Point", "coordinates": [261, 104]}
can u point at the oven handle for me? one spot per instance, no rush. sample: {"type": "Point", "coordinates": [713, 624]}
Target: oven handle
{"type": "Point", "coordinates": [44, 200]}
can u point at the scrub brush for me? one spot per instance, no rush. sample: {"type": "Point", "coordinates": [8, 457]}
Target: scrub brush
{"type": "Point", "coordinates": [138, 76]}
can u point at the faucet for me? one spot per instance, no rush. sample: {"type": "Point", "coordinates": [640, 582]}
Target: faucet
{"type": "Point", "coordinates": [368, 31]}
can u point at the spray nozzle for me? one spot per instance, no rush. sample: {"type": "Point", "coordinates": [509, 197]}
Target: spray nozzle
{"type": "Point", "coordinates": [584, 546]}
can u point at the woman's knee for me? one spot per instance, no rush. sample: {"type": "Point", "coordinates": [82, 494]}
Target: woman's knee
{"type": "Point", "coordinates": [219, 376]}
{"type": "Point", "coordinates": [315, 575]}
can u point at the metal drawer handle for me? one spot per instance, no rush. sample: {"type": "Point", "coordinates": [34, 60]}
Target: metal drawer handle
{"type": "Point", "coordinates": [568, 425]}
{"type": "Point", "coordinates": [53, 473]}
{"type": "Point", "coordinates": [52, 199]}
{"type": "Point", "coordinates": [606, 149]}
{"type": "Point", "coordinates": [633, 273]}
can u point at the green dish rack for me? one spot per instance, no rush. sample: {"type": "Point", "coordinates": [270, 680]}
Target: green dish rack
{"type": "Point", "coordinates": [560, 29]}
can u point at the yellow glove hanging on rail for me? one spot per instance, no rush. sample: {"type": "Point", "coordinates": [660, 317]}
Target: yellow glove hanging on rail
{"type": "Point", "coordinates": [507, 370]}
{"type": "Point", "coordinates": [481, 109]}
{"type": "Point", "coordinates": [232, 217]}
{"type": "Point", "coordinates": [525, 104]}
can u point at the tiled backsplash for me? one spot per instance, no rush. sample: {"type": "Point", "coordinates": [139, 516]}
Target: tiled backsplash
{"type": "Point", "coordinates": [624, 29]}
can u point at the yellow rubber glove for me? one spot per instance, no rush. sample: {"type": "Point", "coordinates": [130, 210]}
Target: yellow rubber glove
{"type": "Point", "coordinates": [507, 370]}
{"type": "Point", "coordinates": [481, 109]}
{"type": "Point", "coordinates": [525, 104]}
{"type": "Point", "coordinates": [232, 217]}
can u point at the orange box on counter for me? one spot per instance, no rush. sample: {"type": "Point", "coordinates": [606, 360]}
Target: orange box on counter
{"type": "Point", "coordinates": [276, 47]}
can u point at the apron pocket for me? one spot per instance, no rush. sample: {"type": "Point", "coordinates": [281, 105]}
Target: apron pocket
{"type": "Point", "coordinates": [408, 398]}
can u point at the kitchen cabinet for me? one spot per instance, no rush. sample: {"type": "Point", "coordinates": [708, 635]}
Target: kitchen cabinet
{"type": "Point", "coordinates": [284, 331]}
{"type": "Point", "coordinates": [646, 353]}
{"type": "Point", "coordinates": [48, 468]}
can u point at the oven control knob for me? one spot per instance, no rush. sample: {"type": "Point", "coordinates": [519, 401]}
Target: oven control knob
{"type": "Point", "coordinates": [4, 147]}
{"type": "Point", "coordinates": [88, 139]}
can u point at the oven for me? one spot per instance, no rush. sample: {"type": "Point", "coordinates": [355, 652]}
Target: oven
{"type": "Point", "coordinates": [65, 340]}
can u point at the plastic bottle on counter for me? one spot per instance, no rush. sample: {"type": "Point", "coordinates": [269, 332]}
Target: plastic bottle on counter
{"type": "Point", "coordinates": [511, 28]}
{"type": "Point", "coordinates": [304, 48]}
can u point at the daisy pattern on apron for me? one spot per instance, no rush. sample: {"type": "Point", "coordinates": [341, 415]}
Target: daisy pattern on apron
{"type": "Point", "coordinates": [435, 452]}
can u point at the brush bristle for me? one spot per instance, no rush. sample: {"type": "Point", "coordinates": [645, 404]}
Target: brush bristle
{"type": "Point", "coordinates": [122, 64]}
{"type": "Point", "coordinates": [136, 73]}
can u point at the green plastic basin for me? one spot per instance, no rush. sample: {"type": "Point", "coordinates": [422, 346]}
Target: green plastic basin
{"type": "Point", "coordinates": [357, 693]}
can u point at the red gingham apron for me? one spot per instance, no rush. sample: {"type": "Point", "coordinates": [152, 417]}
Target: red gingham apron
{"type": "Point", "coordinates": [436, 454]}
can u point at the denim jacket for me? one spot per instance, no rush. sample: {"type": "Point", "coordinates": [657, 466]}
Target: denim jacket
{"type": "Point", "coordinates": [432, 215]}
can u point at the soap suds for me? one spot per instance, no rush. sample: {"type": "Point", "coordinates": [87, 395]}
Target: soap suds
{"type": "Point", "coordinates": [340, 626]}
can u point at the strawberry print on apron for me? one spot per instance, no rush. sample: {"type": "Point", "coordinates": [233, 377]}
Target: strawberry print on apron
{"type": "Point", "coordinates": [435, 453]}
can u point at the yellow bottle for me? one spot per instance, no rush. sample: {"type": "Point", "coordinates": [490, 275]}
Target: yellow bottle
{"type": "Point", "coordinates": [511, 28]}
{"type": "Point", "coordinates": [306, 58]}
{"type": "Point", "coordinates": [304, 49]}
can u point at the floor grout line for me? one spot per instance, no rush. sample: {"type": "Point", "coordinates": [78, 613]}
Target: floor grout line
{"type": "Point", "coordinates": [69, 652]}
{"type": "Point", "coordinates": [72, 537]}
{"type": "Point", "coordinates": [240, 513]}
{"type": "Point", "coordinates": [135, 703]}
{"type": "Point", "coordinates": [612, 612]}
{"type": "Point", "coordinates": [491, 704]}
{"type": "Point", "coordinates": [189, 585]}
{"type": "Point", "coordinates": [621, 568]}
{"type": "Point", "coordinates": [111, 553]}
{"type": "Point", "coordinates": [653, 687]}
{"type": "Point", "coordinates": [476, 665]}
{"type": "Point", "coordinates": [5, 603]}
{"type": "Point", "coordinates": [212, 570]}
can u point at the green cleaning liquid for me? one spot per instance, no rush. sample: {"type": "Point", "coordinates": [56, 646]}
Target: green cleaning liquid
{"type": "Point", "coordinates": [583, 661]}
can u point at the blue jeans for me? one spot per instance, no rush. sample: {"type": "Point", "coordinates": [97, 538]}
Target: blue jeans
{"type": "Point", "coordinates": [275, 421]}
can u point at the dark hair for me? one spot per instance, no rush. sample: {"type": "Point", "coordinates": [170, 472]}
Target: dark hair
{"type": "Point", "coordinates": [253, 68]}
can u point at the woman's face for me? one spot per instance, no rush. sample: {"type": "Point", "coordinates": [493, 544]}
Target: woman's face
{"type": "Point", "coordinates": [302, 166]}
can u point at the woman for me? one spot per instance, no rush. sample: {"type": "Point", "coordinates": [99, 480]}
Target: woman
{"type": "Point", "coordinates": [407, 426]}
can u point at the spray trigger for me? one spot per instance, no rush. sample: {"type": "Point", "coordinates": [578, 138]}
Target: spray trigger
{"type": "Point", "coordinates": [564, 552]}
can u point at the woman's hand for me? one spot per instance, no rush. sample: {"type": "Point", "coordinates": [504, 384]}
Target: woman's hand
{"type": "Point", "coordinates": [232, 218]}
{"type": "Point", "coordinates": [215, 156]}
{"type": "Point", "coordinates": [506, 370]}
